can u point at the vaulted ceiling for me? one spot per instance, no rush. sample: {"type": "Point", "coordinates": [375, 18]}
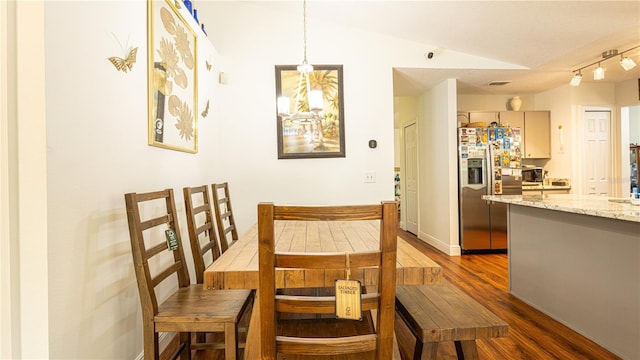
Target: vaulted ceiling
{"type": "Point", "coordinates": [547, 40]}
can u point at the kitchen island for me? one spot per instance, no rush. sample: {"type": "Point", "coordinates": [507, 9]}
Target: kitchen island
{"type": "Point", "coordinates": [577, 259]}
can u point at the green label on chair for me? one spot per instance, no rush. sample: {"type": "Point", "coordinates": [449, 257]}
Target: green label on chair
{"type": "Point", "coordinates": [172, 239]}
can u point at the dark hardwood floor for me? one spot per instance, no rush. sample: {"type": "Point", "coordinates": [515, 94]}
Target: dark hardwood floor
{"type": "Point", "coordinates": [532, 334]}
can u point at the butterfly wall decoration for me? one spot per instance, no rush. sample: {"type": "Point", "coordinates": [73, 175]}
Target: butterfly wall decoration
{"type": "Point", "coordinates": [125, 64]}
{"type": "Point", "coordinates": [205, 112]}
{"type": "Point", "coordinates": [206, 63]}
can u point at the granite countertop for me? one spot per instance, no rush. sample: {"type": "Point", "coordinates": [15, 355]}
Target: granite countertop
{"type": "Point", "coordinates": [613, 208]}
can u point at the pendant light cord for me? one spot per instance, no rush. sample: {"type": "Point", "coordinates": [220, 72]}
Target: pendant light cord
{"type": "Point", "coordinates": [304, 27]}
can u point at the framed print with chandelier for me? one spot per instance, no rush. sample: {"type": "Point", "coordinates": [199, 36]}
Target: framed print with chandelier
{"type": "Point", "coordinates": [310, 111]}
{"type": "Point", "coordinates": [172, 78]}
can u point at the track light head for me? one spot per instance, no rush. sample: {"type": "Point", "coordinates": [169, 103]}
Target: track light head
{"type": "Point", "coordinates": [598, 73]}
{"type": "Point", "coordinates": [577, 78]}
{"type": "Point", "coordinates": [627, 63]}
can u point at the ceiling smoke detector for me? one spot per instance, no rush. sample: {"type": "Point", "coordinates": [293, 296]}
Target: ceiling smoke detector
{"type": "Point", "coordinates": [500, 82]}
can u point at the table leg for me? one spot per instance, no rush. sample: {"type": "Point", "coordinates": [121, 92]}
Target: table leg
{"type": "Point", "coordinates": [252, 349]}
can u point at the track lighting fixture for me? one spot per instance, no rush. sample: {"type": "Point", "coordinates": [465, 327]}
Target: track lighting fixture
{"type": "Point", "coordinates": [598, 73]}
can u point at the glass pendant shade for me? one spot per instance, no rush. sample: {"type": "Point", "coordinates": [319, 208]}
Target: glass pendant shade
{"type": "Point", "coordinates": [575, 81]}
{"type": "Point", "coordinates": [315, 100]}
{"type": "Point", "coordinates": [305, 68]}
{"type": "Point", "coordinates": [284, 106]}
{"type": "Point", "coordinates": [598, 73]}
{"type": "Point", "coordinates": [627, 63]}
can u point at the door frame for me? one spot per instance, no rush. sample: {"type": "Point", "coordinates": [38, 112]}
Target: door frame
{"type": "Point", "coordinates": [403, 178]}
{"type": "Point", "coordinates": [579, 182]}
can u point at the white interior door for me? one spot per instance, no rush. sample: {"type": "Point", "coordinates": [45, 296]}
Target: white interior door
{"type": "Point", "coordinates": [410, 135]}
{"type": "Point", "coordinates": [597, 163]}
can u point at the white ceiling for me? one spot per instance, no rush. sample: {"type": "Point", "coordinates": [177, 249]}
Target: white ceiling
{"type": "Point", "coordinates": [548, 39]}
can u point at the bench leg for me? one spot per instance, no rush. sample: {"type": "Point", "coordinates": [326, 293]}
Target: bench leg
{"type": "Point", "coordinates": [426, 351]}
{"type": "Point", "coordinates": [466, 350]}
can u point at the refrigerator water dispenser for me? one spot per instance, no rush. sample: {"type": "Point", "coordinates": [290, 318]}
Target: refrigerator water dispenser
{"type": "Point", "coordinates": [475, 172]}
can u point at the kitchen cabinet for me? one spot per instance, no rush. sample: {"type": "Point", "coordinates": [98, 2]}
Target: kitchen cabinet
{"type": "Point", "coordinates": [483, 116]}
{"type": "Point", "coordinates": [512, 118]}
{"type": "Point", "coordinates": [535, 129]}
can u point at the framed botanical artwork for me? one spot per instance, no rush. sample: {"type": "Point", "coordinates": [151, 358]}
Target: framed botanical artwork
{"type": "Point", "coordinates": [321, 133]}
{"type": "Point", "coordinates": [172, 78]}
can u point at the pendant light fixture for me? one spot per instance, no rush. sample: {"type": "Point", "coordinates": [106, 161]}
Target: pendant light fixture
{"type": "Point", "coordinates": [627, 64]}
{"type": "Point", "coordinates": [309, 102]}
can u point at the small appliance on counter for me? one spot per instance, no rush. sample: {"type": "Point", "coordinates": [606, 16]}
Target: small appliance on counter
{"type": "Point", "coordinates": [532, 174]}
{"type": "Point", "coordinates": [489, 163]}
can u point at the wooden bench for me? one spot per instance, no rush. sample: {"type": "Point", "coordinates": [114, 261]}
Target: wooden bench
{"type": "Point", "coordinates": [436, 313]}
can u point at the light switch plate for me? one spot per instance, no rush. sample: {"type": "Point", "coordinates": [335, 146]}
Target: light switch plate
{"type": "Point", "coordinates": [369, 177]}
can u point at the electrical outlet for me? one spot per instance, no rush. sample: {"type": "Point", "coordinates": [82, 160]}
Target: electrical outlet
{"type": "Point", "coordinates": [369, 177]}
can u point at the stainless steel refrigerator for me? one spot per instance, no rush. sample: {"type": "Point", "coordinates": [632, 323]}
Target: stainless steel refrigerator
{"type": "Point", "coordinates": [489, 163]}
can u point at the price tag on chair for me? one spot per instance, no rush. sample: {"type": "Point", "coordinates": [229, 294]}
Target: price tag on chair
{"type": "Point", "coordinates": [348, 296]}
{"type": "Point", "coordinates": [348, 299]}
{"type": "Point", "coordinates": [172, 239]}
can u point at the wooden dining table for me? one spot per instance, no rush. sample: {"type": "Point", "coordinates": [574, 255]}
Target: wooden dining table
{"type": "Point", "coordinates": [237, 268]}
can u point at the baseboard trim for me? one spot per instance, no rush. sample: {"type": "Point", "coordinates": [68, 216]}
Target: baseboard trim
{"type": "Point", "coordinates": [164, 339]}
{"type": "Point", "coordinates": [449, 249]}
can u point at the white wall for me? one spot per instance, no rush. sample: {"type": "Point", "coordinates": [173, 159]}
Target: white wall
{"type": "Point", "coordinates": [438, 172]}
{"type": "Point", "coordinates": [96, 152]}
{"type": "Point", "coordinates": [558, 102]}
{"type": "Point", "coordinates": [634, 125]}
{"type": "Point", "coordinates": [7, 322]}
{"type": "Point", "coordinates": [23, 254]}
{"type": "Point", "coordinates": [250, 57]}
{"type": "Point", "coordinates": [627, 93]}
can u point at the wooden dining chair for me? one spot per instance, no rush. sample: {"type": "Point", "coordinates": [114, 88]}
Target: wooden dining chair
{"type": "Point", "coordinates": [324, 336]}
{"type": "Point", "coordinates": [205, 248]}
{"type": "Point", "coordinates": [225, 221]}
{"type": "Point", "coordinates": [159, 262]}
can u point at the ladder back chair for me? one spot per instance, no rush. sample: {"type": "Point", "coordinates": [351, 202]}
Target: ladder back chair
{"type": "Point", "coordinates": [202, 234]}
{"type": "Point", "coordinates": [370, 338]}
{"type": "Point", "coordinates": [224, 215]}
{"type": "Point", "coordinates": [157, 257]}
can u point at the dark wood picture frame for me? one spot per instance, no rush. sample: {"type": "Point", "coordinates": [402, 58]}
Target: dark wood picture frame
{"type": "Point", "coordinates": [326, 139]}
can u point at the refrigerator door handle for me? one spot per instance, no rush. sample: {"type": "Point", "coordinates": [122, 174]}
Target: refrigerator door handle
{"type": "Point", "coordinates": [490, 178]}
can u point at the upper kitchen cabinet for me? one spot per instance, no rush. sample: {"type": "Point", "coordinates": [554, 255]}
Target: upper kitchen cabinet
{"type": "Point", "coordinates": [513, 119]}
{"type": "Point", "coordinates": [484, 116]}
{"type": "Point", "coordinates": [535, 127]}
